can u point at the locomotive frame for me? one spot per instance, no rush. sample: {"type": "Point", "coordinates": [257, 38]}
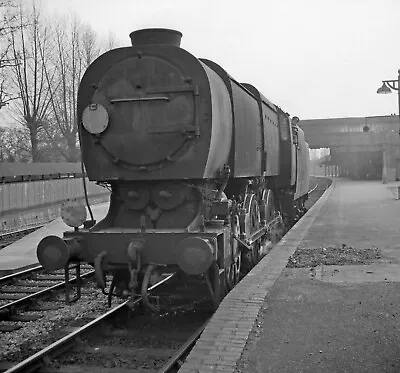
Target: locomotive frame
{"type": "Point", "coordinates": [205, 173]}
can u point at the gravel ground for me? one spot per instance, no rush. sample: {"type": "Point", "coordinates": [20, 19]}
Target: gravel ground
{"type": "Point", "coordinates": [331, 255]}
{"type": "Point", "coordinates": [136, 342]}
{"type": "Point", "coordinates": [35, 335]}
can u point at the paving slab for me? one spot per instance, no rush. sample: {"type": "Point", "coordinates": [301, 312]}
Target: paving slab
{"type": "Point", "coordinates": [336, 318]}
{"type": "Point", "coordinates": [312, 326]}
{"type": "Point", "coordinates": [375, 272]}
{"type": "Point", "coordinates": [359, 213]}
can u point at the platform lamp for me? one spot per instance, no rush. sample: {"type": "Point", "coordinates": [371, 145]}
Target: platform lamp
{"type": "Point", "coordinates": [387, 87]}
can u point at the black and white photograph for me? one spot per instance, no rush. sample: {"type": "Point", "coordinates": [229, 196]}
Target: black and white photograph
{"type": "Point", "coordinates": [199, 186]}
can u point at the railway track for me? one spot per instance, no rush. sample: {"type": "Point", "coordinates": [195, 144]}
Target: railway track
{"type": "Point", "coordinates": [318, 185]}
{"type": "Point", "coordinates": [122, 341]}
{"type": "Point", "coordinates": [313, 189]}
{"type": "Point", "coordinates": [20, 291]}
{"type": "Point", "coordinates": [8, 238]}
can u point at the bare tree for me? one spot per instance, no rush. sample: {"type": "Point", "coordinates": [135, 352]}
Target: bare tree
{"type": "Point", "coordinates": [50, 64]}
{"type": "Point", "coordinates": [76, 47]}
{"type": "Point", "coordinates": [110, 42]}
{"type": "Point", "coordinates": [30, 48]}
{"type": "Point", "coordinates": [91, 48]}
{"type": "Point", "coordinates": [7, 25]}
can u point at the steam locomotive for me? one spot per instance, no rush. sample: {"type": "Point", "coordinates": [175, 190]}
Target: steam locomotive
{"type": "Point", "coordinates": [205, 172]}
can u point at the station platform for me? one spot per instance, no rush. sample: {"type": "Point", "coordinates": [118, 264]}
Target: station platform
{"type": "Point", "coordinates": [22, 253]}
{"type": "Point", "coordinates": [325, 299]}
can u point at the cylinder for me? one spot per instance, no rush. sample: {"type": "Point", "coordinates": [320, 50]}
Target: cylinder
{"type": "Point", "coordinates": [156, 36]}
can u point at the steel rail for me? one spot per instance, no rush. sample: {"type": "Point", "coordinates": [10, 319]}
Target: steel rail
{"type": "Point", "coordinates": [43, 357]}
{"type": "Point", "coordinates": [43, 292]}
{"type": "Point", "coordinates": [20, 274]}
{"type": "Point", "coordinates": [18, 231]}
{"type": "Point", "coordinates": [173, 362]}
{"type": "Point", "coordinates": [8, 238]}
{"type": "Point", "coordinates": [312, 190]}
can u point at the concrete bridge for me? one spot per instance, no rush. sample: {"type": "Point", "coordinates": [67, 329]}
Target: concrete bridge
{"type": "Point", "coordinates": [361, 147]}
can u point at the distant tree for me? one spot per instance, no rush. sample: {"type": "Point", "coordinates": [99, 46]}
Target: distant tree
{"type": "Point", "coordinates": [30, 47]}
{"type": "Point", "coordinates": [53, 146]}
{"type": "Point", "coordinates": [14, 144]}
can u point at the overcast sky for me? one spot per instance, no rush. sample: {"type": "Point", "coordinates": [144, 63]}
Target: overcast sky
{"type": "Point", "coordinates": [314, 58]}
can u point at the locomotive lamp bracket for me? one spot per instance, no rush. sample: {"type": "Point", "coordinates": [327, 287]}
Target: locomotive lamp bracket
{"type": "Point", "coordinates": [89, 224]}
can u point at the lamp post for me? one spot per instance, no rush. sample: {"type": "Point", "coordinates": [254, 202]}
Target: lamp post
{"type": "Point", "coordinates": [388, 85]}
{"type": "Point", "coordinates": [389, 154]}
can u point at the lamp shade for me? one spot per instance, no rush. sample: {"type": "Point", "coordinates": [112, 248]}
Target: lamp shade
{"type": "Point", "coordinates": [384, 89]}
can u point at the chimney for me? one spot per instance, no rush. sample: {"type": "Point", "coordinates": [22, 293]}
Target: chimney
{"type": "Point", "coordinates": [156, 36]}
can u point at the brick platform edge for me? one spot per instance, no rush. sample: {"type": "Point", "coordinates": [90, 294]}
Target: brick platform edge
{"type": "Point", "coordinates": [223, 340]}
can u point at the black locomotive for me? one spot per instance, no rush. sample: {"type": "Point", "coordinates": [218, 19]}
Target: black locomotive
{"type": "Point", "coordinates": [205, 173]}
